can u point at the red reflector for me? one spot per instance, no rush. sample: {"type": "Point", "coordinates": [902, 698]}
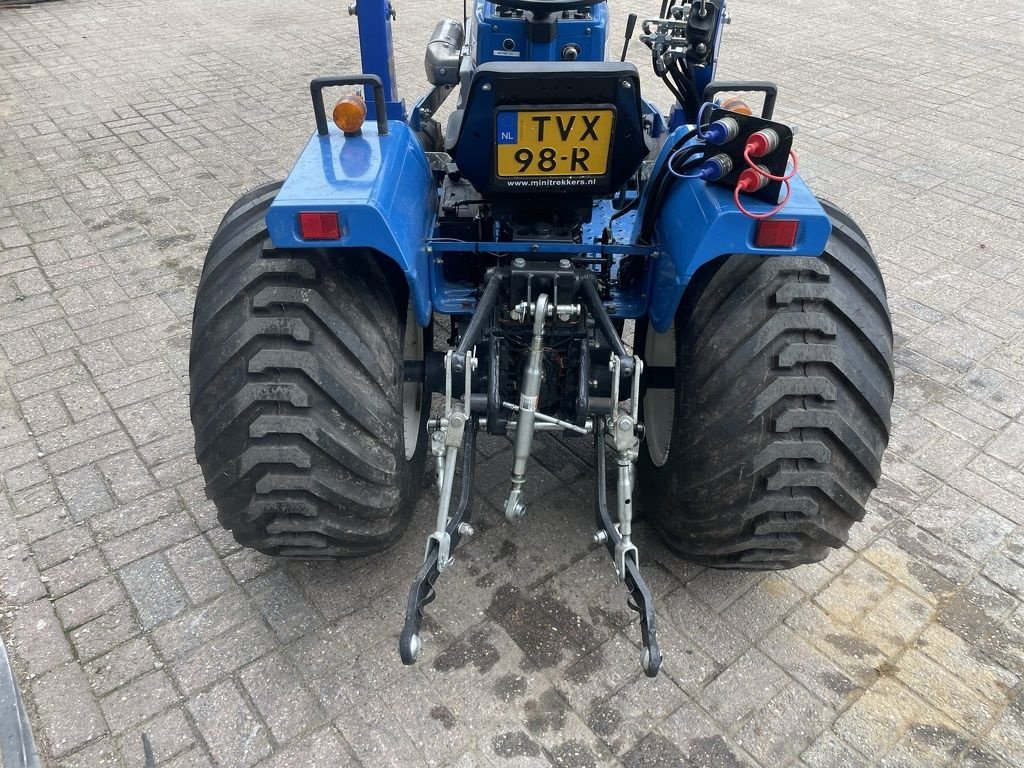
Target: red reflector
{"type": "Point", "coordinates": [776, 233]}
{"type": "Point", "coordinates": [319, 225]}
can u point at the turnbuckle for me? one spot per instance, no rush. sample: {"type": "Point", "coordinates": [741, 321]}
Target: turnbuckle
{"type": "Point", "coordinates": [529, 399]}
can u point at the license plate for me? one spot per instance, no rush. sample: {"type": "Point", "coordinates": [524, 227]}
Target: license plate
{"type": "Point", "coordinates": [554, 142]}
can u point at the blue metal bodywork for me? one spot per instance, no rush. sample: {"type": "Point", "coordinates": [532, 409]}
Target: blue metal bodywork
{"type": "Point", "coordinates": [376, 51]}
{"type": "Point", "coordinates": [387, 199]}
{"type": "Point", "coordinates": [700, 222]}
{"type": "Point", "coordinates": [383, 191]}
{"type": "Point", "coordinates": [507, 39]}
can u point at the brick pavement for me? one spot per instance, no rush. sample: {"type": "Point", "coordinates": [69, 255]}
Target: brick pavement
{"type": "Point", "coordinates": [127, 128]}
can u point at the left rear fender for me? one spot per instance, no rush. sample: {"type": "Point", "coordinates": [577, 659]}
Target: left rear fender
{"type": "Point", "coordinates": [383, 191]}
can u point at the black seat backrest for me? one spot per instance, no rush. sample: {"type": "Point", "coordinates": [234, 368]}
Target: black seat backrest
{"type": "Point", "coordinates": [608, 89]}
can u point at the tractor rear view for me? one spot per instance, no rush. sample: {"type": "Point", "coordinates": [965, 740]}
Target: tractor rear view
{"type": "Point", "coordinates": [746, 413]}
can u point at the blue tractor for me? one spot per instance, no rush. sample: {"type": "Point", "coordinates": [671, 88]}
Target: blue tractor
{"type": "Point", "coordinates": [662, 284]}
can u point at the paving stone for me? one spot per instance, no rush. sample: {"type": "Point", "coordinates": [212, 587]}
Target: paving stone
{"type": "Point", "coordinates": [169, 734]}
{"type": "Point", "coordinates": [713, 635]}
{"type": "Point", "coordinates": [67, 711]}
{"type": "Point", "coordinates": [137, 701]}
{"type": "Point", "coordinates": [222, 655]}
{"type": "Point", "coordinates": [199, 570]}
{"type": "Point", "coordinates": [967, 662]}
{"type": "Point", "coordinates": [121, 665]}
{"type": "Point", "coordinates": [284, 606]}
{"type": "Point", "coordinates": [853, 593]}
{"type": "Point", "coordinates": [699, 741]}
{"type": "Point", "coordinates": [153, 590]}
{"type": "Point", "coordinates": [229, 727]}
{"type": "Point", "coordinates": [747, 684]}
{"type": "Point", "coordinates": [811, 668]}
{"type": "Point", "coordinates": [72, 575]}
{"type": "Point", "coordinates": [45, 523]}
{"type": "Point", "coordinates": [127, 477]}
{"type": "Point", "coordinates": [828, 751]}
{"type": "Point", "coordinates": [61, 546]}
{"type": "Point", "coordinates": [896, 620]}
{"type": "Point", "coordinates": [39, 638]}
{"type": "Point", "coordinates": [275, 687]}
{"type": "Point", "coordinates": [194, 758]}
{"type": "Point", "coordinates": [317, 748]}
{"type": "Point", "coordinates": [99, 754]}
{"type": "Point", "coordinates": [780, 729]}
{"type": "Point", "coordinates": [89, 602]}
{"type": "Point", "coordinates": [879, 718]}
{"type": "Point", "coordinates": [764, 606]}
{"type": "Point", "coordinates": [101, 635]}
{"type": "Point", "coordinates": [148, 539]}
{"type": "Point", "coordinates": [978, 757]}
{"type": "Point", "coordinates": [128, 518]}
{"type": "Point", "coordinates": [627, 717]}
{"type": "Point", "coordinates": [945, 692]}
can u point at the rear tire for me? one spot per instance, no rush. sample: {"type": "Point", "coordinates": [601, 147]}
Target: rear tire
{"type": "Point", "coordinates": [766, 452]}
{"type": "Point", "coordinates": [311, 443]}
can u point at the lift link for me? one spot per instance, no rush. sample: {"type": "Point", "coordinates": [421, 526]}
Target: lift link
{"type": "Point", "coordinates": [454, 431]}
{"type": "Point", "coordinates": [608, 533]}
{"type": "Point", "coordinates": [624, 430]}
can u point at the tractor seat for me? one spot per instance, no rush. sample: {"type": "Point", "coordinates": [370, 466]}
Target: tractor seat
{"type": "Point", "coordinates": [549, 127]}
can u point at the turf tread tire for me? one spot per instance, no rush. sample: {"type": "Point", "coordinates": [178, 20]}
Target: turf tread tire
{"type": "Point", "coordinates": [784, 388]}
{"type": "Point", "coordinates": [296, 394]}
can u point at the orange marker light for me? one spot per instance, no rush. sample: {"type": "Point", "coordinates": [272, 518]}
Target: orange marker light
{"type": "Point", "coordinates": [739, 106]}
{"type": "Point", "coordinates": [350, 114]}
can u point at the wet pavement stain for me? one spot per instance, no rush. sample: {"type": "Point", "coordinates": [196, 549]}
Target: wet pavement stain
{"type": "Point", "coordinates": [603, 719]}
{"type": "Point", "coordinates": [573, 754]}
{"type": "Point", "coordinates": [839, 684]}
{"type": "Point", "coordinates": [851, 646]}
{"type": "Point", "coordinates": [172, 240]}
{"type": "Point", "coordinates": [487, 581]}
{"type": "Point", "coordinates": [712, 750]}
{"type": "Point", "coordinates": [476, 649]}
{"type": "Point", "coordinates": [509, 549]}
{"type": "Point", "coordinates": [609, 619]}
{"type": "Point", "coordinates": [886, 669]}
{"type": "Point", "coordinates": [581, 671]}
{"type": "Point", "coordinates": [545, 628]}
{"type": "Point", "coordinates": [514, 744]}
{"type": "Point", "coordinates": [510, 687]}
{"type": "Point", "coordinates": [444, 716]}
{"type": "Point", "coordinates": [658, 751]}
{"type": "Point", "coordinates": [945, 740]}
{"type": "Point", "coordinates": [545, 714]}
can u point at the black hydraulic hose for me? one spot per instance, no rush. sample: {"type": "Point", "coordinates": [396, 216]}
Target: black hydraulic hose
{"type": "Point", "coordinates": [632, 204]}
{"type": "Point", "coordinates": [659, 190]}
{"type": "Point", "coordinates": [683, 78]}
